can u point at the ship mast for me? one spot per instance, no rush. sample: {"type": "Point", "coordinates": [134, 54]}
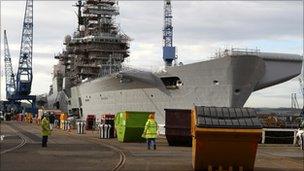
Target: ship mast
{"type": "Point", "coordinates": [79, 5]}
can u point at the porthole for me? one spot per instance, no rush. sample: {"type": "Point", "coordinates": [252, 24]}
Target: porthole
{"type": "Point", "coordinates": [237, 91]}
{"type": "Point", "coordinates": [215, 82]}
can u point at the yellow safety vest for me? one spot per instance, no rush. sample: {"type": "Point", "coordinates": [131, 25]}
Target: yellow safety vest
{"type": "Point", "coordinates": [45, 125]}
{"type": "Point", "coordinates": [150, 129]}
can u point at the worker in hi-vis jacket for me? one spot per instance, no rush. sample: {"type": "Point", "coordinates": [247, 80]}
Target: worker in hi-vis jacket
{"type": "Point", "coordinates": [150, 132]}
{"type": "Point", "coordinates": [45, 125]}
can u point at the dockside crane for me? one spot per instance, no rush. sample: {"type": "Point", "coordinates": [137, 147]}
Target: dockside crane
{"type": "Point", "coordinates": [24, 73]}
{"type": "Point", "coordinates": [10, 86]}
{"type": "Point", "coordinates": [10, 82]}
{"type": "Point", "coordinates": [168, 48]}
{"type": "Point", "coordinates": [21, 88]}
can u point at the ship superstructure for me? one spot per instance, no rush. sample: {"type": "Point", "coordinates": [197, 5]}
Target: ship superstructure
{"type": "Point", "coordinates": [98, 47]}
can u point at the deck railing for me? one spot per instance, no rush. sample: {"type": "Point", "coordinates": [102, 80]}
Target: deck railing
{"type": "Point", "coordinates": [236, 52]}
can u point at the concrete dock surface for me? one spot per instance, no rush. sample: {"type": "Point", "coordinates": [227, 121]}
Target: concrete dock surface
{"type": "Point", "coordinates": [21, 150]}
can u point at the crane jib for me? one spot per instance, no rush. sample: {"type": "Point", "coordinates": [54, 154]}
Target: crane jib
{"type": "Point", "coordinates": [9, 75]}
{"type": "Point", "coordinates": [24, 73]}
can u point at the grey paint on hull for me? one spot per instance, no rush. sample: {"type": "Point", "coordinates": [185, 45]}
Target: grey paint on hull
{"type": "Point", "coordinates": [226, 81]}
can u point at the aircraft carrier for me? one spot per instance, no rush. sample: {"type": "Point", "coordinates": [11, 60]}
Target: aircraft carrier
{"type": "Point", "coordinates": [90, 78]}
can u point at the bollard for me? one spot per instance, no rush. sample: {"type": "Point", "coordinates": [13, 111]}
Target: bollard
{"type": "Point", "coordinates": [104, 131]}
{"type": "Point", "coordinates": [109, 131]}
{"type": "Point", "coordinates": [100, 130]}
{"type": "Point", "coordinates": [80, 127]}
{"type": "Point", "coordinates": [83, 127]}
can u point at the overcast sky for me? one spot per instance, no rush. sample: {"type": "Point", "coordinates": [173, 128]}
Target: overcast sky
{"type": "Point", "coordinates": [200, 28]}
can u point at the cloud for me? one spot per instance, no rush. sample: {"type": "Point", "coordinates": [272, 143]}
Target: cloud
{"type": "Point", "coordinates": [242, 20]}
{"type": "Point", "coordinates": [276, 96]}
{"type": "Point", "coordinates": [200, 28]}
{"type": "Point", "coordinates": [208, 26]}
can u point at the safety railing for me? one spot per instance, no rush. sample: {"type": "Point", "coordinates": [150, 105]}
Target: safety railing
{"type": "Point", "coordinates": [236, 52]}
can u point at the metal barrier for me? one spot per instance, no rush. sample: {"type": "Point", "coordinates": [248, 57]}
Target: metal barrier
{"type": "Point", "coordinates": [104, 131]}
{"type": "Point", "coordinates": [279, 130]}
{"type": "Point", "coordinates": [80, 127]}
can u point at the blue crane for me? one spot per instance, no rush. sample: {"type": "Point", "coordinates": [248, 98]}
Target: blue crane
{"type": "Point", "coordinates": [10, 86]}
{"type": "Point", "coordinates": [24, 73]}
{"type": "Point", "coordinates": [21, 88]}
{"type": "Point", "coordinates": [9, 75]}
{"type": "Point", "coordinates": [168, 48]}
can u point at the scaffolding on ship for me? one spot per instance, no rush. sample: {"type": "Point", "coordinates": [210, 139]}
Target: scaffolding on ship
{"type": "Point", "coordinates": [98, 47]}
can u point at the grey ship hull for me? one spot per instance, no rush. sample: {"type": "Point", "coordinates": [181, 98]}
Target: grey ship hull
{"type": "Point", "coordinates": [226, 81]}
